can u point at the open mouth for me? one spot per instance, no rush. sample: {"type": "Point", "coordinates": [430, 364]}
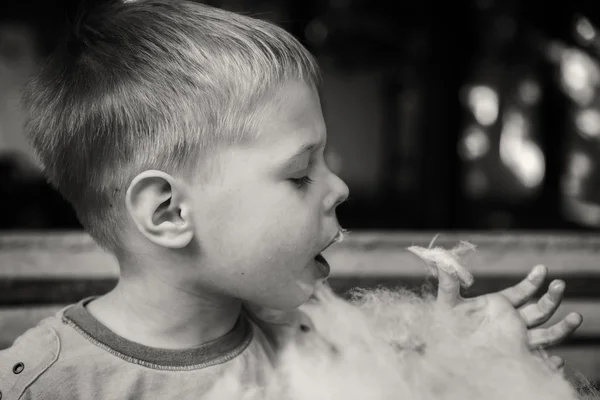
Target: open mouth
{"type": "Point", "coordinates": [323, 266]}
{"type": "Point", "coordinates": [319, 257]}
{"type": "Point", "coordinates": [321, 261]}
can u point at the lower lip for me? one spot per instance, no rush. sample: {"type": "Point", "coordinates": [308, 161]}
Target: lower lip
{"type": "Point", "coordinates": [322, 266]}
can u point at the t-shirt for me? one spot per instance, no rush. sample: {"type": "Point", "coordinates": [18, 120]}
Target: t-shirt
{"type": "Point", "coordinates": [71, 355]}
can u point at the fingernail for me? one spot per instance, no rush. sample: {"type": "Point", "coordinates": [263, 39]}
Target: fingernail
{"type": "Point", "coordinates": [574, 319]}
{"type": "Point", "coordinates": [557, 285]}
{"type": "Point", "coordinates": [537, 270]}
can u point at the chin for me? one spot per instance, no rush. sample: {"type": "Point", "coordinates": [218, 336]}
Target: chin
{"type": "Point", "coordinates": [275, 309]}
{"type": "Point", "coordinates": [301, 294]}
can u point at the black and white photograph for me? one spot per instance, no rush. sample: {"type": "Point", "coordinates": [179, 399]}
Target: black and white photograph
{"type": "Point", "coordinates": [299, 200]}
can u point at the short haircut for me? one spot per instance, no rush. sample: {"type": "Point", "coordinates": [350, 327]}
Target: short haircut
{"type": "Point", "coordinates": [151, 84]}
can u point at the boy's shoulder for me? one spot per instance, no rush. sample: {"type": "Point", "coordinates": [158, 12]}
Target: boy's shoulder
{"type": "Point", "coordinates": [58, 358]}
{"type": "Point", "coordinates": [30, 355]}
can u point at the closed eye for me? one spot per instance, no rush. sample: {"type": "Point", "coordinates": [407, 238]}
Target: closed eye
{"type": "Point", "coordinates": [303, 181]}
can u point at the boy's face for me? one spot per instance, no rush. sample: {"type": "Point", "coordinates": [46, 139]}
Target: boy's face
{"type": "Point", "coordinates": [260, 224]}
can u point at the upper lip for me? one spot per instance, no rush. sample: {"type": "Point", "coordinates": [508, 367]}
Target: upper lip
{"type": "Point", "coordinates": [332, 241]}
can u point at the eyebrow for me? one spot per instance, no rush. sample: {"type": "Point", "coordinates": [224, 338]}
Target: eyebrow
{"type": "Point", "coordinates": [303, 150]}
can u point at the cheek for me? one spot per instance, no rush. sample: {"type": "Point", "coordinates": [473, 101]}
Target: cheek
{"type": "Point", "coordinates": [267, 224]}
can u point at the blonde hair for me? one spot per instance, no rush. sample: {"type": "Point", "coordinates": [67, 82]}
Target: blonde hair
{"type": "Point", "coordinates": [151, 84]}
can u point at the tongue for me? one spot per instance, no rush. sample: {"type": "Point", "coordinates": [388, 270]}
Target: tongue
{"type": "Point", "coordinates": [323, 266]}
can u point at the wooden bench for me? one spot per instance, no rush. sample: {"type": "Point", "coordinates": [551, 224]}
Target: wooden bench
{"type": "Point", "coordinates": [40, 273]}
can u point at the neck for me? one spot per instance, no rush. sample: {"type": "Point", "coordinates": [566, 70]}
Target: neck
{"type": "Point", "coordinates": [158, 311]}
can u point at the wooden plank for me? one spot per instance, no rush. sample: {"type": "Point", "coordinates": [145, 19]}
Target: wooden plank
{"type": "Point", "coordinates": [362, 254]}
{"type": "Point", "coordinates": [77, 241]}
{"type": "Point", "coordinates": [590, 310]}
{"type": "Point", "coordinates": [64, 267]}
{"type": "Point", "coordinates": [32, 291]}
{"type": "Point", "coordinates": [384, 254]}
{"type": "Point", "coordinates": [54, 254]}
{"type": "Point", "coordinates": [577, 286]}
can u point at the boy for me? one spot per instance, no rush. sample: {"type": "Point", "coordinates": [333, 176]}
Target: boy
{"type": "Point", "coordinates": [190, 142]}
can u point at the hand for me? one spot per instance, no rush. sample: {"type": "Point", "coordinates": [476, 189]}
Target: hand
{"type": "Point", "coordinates": [532, 315]}
{"type": "Point", "coordinates": [492, 318]}
{"type": "Point", "coordinates": [539, 313]}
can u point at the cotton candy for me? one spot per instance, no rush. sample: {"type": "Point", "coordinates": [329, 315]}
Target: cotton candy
{"type": "Point", "coordinates": [396, 344]}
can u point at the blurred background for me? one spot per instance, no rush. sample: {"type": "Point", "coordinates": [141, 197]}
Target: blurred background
{"type": "Point", "coordinates": [474, 114]}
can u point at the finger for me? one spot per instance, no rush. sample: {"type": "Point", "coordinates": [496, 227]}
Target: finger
{"type": "Point", "coordinates": [557, 363]}
{"type": "Point", "coordinates": [448, 289]}
{"type": "Point", "coordinates": [545, 337]}
{"type": "Point", "coordinates": [523, 291]}
{"type": "Point", "coordinates": [539, 313]}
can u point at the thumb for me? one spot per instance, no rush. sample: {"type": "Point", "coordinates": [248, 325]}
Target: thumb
{"type": "Point", "coordinates": [448, 289]}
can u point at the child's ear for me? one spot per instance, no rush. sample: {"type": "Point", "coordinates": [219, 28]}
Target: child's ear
{"type": "Point", "coordinates": [161, 209]}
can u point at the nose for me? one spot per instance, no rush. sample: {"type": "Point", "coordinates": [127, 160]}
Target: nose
{"type": "Point", "coordinates": [339, 193]}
